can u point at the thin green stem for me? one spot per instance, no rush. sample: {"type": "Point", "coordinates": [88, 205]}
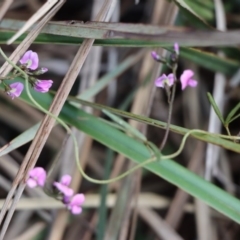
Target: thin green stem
{"type": "Point", "coordinates": [228, 132]}
{"type": "Point", "coordinates": [183, 143]}
{"type": "Point", "coordinates": [169, 117]}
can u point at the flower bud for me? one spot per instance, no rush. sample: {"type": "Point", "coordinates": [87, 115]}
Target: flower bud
{"type": "Point", "coordinates": [157, 58]}
{"type": "Point", "coordinates": [176, 48]}
{"type": "Point", "coordinates": [40, 71]}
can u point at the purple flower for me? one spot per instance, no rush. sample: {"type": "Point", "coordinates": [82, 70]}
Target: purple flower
{"type": "Point", "coordinates": [30, 59]}
{"type": "Point", "coordinates": [162, 80]}
{"type": "Point", "coordinates": [62, 186]}
{"type": "Point", "coordinates": [186, 79]}
{"type": "Point", "coordinates": [75, 204]}
{"type": "Point", "coordinates": [16, 89]}
{"type": "Point", "coordinates": [36, 177]}
{"type": "Point", "coordinates": [43, 85]}
{"type": "Point", "coordinates": [176, 48]}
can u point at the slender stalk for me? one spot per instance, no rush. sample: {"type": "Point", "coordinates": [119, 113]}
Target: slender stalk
{"type": "Point", "coordinates": [169, 117]}
{"type": "Point", "coordinates": [9, 77]}
{"type": "Point", "coordinates": [228, 132]}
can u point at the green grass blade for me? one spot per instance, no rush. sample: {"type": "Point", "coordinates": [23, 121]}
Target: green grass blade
{"type": "Point", "coordinates": [210, 61]}
{"type": "Point", "coordinates": [204, 9]}
{"type": "Point", "coordinates": [184, 6]}
{"type": "Point", "coordinates": [20, 140]}
{"type": "Point", "coordinates": [234, 118]}
{"type": "Point", "coordinates": [138, 152]}
{"type": "Point", "coordinates": [215, 107]}
{"type": "Point", "coordinates": [102, 220]}
{"type": "Point", "coordinates": [230, 116]}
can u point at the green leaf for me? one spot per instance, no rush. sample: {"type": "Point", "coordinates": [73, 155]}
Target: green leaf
{"type": "Point", "coordinates": [235, 118]}
{"type": "Point", "coordinates": [186, 8]}
{"type": "Point", "coordinates": [20, 140]}
{"type": "Point", "coordinates": [138, 152]}
{"type": "Point", "coordinates": [210, 61]}
{"type": "Point", "coordinates": [230, 116]}
{"type": "Point", "coordinates": [204, 9]}
{"type": "Point", "coordinates": [215, 107]}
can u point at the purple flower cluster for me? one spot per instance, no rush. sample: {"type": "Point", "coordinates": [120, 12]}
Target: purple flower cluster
{"type": "Point", "coordinates": [186, 77]}
{"type": "Point", "coordinates": [37, 177]}
{"type": "Point", "coordinates": [29, 62]}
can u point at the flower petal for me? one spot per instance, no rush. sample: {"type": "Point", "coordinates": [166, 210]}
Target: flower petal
{"type": "Point", "coordinates": [30, 58]}
{"type": "Point", "coordinates": [66, 191]}
{"type": "Point", "coordinates": [16, 89]}
{"type": "Point", "coordinates": [187, 74]}
{"type": "Point", "coordinates": [66, 180]}
{"type": "Point", "coordinates": [159, 82]}
{"type": "Point", "coordinates": [43, 85]}
{"type": "Point", "coordinates": [76, 210]}
{"type": "Point", "coordinates": [25, 57]}
{"type": "Point", "coordinates": [192, 83]}
{"type": "Point", "coordinates": [41, 180]}
{"type": "Point", "coordinates": [31, 183]}
{"type": "Point", "coordinates": [185, 77]}
{"type": "Point", "coordinates": [176, 48]}
{"type": "Point", "coordinates": [155, 56]}
{"type": "Point", "coordinates": [78, 199]}
{"type": "Point", "coordinates": [39, 175]}
{"type": "Point", "coordinates": [170, 79]}
{"type": "Point", "coordinates": [36, 172]}
{"type": "Point", "coordinates": [66, 200]}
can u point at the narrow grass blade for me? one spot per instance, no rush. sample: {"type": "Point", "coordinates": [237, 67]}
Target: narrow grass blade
{"type": "Point", "coordinates": [215, 107]}
{"type": "Point", "coordinates": [184, 6]}
{"type": "Point", "coordinates": [230, 116]}
{"type": "Point", "coordinates": [138, 152]}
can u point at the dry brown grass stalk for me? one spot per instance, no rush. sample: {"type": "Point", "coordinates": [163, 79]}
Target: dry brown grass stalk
{"type": "Point", "coordinates": [48, 122]}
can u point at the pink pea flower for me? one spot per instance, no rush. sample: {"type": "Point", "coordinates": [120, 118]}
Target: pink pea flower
{"type": "Point", "coordinates": [36, 177]}
{"type": "Point", "coordinates": [43, 85]}
{"type": "Point", "coordinates": [164, 79]}
{"type": "Point", "coordinates": [63, 187]}
{"type": "Point", "coordinates": [30, 59]}
{"type": "Point", "coordinates": [16, 89]}
{"type": "Point", "coordinates": [186, 79]}
{"type": "Point", "coordinates": [176, 48]}
{"type": "Point", "coordinates": [75, 204]}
